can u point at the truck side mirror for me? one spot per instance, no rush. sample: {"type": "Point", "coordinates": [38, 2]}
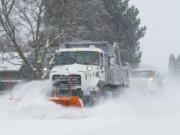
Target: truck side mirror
{"type": "Point", "coordinates": [111, 61]}
{"type": "Point", "coordinates": [101, 61]}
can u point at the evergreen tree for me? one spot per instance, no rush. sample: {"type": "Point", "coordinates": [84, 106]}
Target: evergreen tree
{"type": "Point", "coordinates": [178, 66]}
{"type": "Point", "coordinates": [172, 64]}
{"type": "Point", "coordinates": [126, 28]}
{"type": "Point", "coordinates": [97, 20]}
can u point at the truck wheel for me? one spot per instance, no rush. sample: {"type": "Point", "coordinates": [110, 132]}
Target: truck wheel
{"type": "Point", "coordinates": [88, 101]}
{"type": "Point", "coordinates": [101, 84]}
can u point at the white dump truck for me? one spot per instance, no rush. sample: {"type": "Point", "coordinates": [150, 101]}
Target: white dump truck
{"type": "Point", "coordinates": [86, 70]}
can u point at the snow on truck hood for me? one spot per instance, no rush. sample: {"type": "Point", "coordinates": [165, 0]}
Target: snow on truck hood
{"type": "Point", "coordinates": [94, 49]}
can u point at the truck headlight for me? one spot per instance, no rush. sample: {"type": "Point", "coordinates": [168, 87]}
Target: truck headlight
{"type": "Point", "coordinates": [151, 79]}
{"type": "Point", "coordinates": [45, 69]}
{"type": "Point", "coordinates": [89, 68]}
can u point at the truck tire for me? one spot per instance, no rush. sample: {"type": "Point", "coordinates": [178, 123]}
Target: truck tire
{"type": "Point", "coordinates": [101, 84]}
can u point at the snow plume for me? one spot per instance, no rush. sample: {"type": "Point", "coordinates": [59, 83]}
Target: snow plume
{"type": "Point", "coordinates": [140, 111]}
{"type": "Point", "coordinates": [145, 101]}
{"type": "Point", "coordinates": [33, 103]}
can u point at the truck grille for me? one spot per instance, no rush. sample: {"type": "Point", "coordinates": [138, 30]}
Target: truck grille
{"type": "Point", "coordinates": [72, 80]}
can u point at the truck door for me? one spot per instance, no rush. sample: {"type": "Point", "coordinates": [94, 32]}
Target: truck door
{"type": "Point", "coordinates": [102, 67]}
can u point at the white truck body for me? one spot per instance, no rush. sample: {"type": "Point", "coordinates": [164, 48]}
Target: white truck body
{"type": "Point", "coordinates": [87, 68]}
{"type": "Point", "coordinates": [88, 73]}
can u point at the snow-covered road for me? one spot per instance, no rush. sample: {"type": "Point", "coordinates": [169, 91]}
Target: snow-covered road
{"type": "Point", "coordinates": [133, 113]}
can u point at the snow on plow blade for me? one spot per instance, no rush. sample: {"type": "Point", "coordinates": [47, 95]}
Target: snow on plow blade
{"type": "Point", "coordinates": [73, 101]}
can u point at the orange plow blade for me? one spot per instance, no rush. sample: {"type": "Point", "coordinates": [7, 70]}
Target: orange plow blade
{"type": "Point", "coordinates": [73, 101]}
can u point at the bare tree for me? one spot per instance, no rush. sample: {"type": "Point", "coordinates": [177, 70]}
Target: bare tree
{"type": "Point", "coordinates": [22, 23]}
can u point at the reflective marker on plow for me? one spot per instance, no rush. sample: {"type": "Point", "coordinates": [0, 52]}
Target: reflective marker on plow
{"type": "Point", "coordinates": [73, 101]}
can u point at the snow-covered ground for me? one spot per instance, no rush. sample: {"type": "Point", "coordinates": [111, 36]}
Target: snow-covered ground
{"type": "Point", "coordinates": [135, 112]}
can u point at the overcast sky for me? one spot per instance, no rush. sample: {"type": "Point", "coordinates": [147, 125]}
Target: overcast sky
{"type": "Point", "coordinates": [162, 18]}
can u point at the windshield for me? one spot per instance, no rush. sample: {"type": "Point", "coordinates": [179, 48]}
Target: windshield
{"type": "Point", "coordinates": [143, 74]}
{"type": "Point", "coordinates": [80, 57]}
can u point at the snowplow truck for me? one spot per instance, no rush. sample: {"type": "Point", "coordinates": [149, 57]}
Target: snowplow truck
{"type": "Point", "coordinates": [83, 72]}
